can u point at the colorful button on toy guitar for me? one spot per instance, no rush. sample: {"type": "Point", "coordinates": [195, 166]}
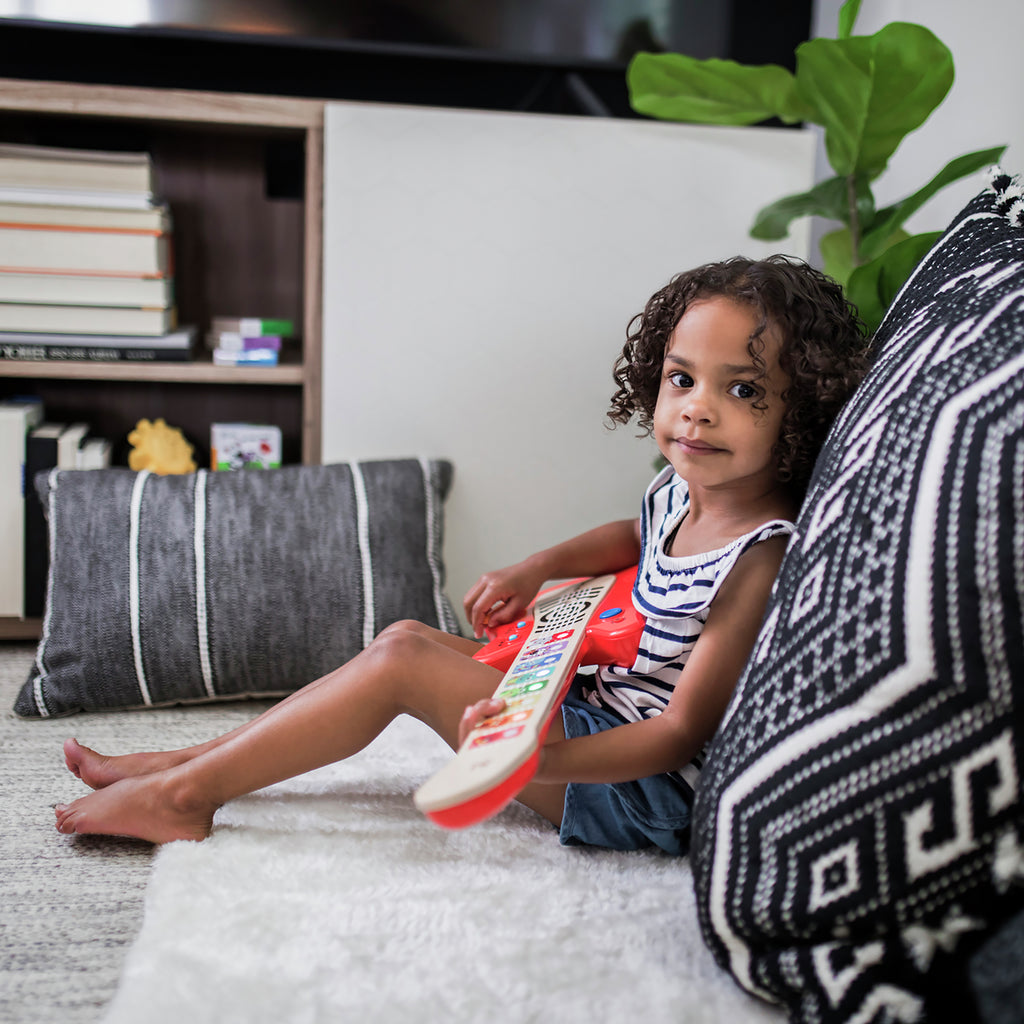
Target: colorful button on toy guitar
{"type": "Point", "coordinates": [490, 737]}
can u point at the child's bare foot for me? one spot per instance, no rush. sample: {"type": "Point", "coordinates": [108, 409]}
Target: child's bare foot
{"type": "Point", "coordinates": [98, 770]}
{"type": "Point", "coordinates": [145, 807]}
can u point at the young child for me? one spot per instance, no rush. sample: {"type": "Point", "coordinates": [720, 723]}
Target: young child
{"type": "Point", "coordinates": [737, 368]}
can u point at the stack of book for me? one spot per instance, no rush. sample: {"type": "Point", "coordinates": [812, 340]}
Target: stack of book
{"type": "Point", "coordinates": [247, 341]}
{"type": "Point", "coordinates": [30, 445]}
{"type": "Point", "coordinates": [85, 257]}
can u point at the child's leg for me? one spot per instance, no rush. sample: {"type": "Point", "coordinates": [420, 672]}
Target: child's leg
{"type": "Point", "coordinates": [98, 770]}
{"type": "Point", "coordinates": [403, 671]}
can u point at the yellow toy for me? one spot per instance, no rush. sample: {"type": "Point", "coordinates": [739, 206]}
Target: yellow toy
{"type": "Point", "coordinates": [160, 449]}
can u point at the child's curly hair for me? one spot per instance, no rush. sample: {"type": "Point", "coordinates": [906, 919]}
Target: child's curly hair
{"type": "Point", "coordinates": [824, 348]}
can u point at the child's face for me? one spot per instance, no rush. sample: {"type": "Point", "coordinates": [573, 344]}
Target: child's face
{"type": "Point", "coordinates": [705, 422]}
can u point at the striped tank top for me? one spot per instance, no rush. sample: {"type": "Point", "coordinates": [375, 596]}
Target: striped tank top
{"type": "Point", "coordinates": [674, 595]}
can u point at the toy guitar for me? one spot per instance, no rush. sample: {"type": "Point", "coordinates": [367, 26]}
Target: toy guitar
{"type": "Point", "coordinates": [584, 622]}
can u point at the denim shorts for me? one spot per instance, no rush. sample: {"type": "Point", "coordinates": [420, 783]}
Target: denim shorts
{"type": "Point", "coordinates": [620, 815]}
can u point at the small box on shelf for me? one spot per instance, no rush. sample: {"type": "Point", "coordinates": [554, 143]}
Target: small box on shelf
{"type": "Point", "coordinates": [248, 341]}
{"type": "Point", "coordinates": [244, 446]}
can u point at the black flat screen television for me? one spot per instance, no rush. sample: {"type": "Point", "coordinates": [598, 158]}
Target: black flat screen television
{"type": "Point", "coordinates": [539, 55]}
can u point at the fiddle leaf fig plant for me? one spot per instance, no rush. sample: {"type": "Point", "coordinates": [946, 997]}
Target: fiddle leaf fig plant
{"type": "Point", "coordinates": [867, 93]}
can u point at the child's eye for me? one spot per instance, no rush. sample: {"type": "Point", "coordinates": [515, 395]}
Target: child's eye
{"type": "Point", "coordinates": [744, 390]}
{"type": "Point", "coordinates": [678, 379]}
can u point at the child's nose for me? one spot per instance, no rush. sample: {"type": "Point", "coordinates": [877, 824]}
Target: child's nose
{"type": "Point", "coordinates": [698, 407]}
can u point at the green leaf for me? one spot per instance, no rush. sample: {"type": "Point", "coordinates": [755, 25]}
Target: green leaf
{"type": "Point", "coordinates": [870, 92]}
{"type": "Point", "coordinates": [873, 286]}
{"type": "Point", "coordinates": [834, 77]}
{"type": "Point", "coordinates": [676, 87]}
{"type": "Point", "coordinates": [837, 254]}
{"type": "Point", "coordinates": [828, 199]}
{"type": "Point", "coordinates": [847, 17]}
{"type": "Point", "coordinates": [890, 218]}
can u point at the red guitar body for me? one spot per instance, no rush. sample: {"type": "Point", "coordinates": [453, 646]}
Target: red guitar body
{"type": "Point", "coordinates": [610, 637]}
{"type": "Point", "coordinates": [586, 622]}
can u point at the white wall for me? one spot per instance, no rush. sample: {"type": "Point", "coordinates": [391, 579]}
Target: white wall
{"type": "Point", "coordinates": [479, 273]}
{"type": "Point", "coordinates": [981, 110]}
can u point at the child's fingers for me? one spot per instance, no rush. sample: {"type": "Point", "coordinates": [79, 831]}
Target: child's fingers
{"type": "Point", "coordinates": [478, 609]}
{"type": "Point", "coordinates": [492, 601]}
{"type": "Point", "coordinates": [469, 602]}
{"type": "Point", "coordinates": [505, 610]}
{"type": "Point", "coordinates": [491, 610]}
{"type": "Point", "coordinates": [477, 713]}
{"type": "Point", "coordinates": [482, 709]}
{"type": "Point", "coordinates": [485, 591]}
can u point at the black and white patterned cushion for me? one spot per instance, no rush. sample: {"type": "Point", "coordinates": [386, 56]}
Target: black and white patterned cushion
{"type": "Point", "coordinates": [184, 589]}
{"type": "Point", "coordinates": [859, 827]}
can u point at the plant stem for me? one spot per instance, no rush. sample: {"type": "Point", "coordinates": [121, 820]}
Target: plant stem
{"type": "Point", "coordinates": [851, 202]}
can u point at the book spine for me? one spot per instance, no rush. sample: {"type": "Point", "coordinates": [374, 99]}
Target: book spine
{"type": "Point", "coordinates": [16, 419]}
{"type": "Point", "coordinates": [156, 219]}
{"type": "Point", "coordinates": [40, 456]}
{"type": "Point", "coordinates": [64, 172]}
{"type": "Point", "coordinates": [70, 250]}
{"type": "Point", "coordinates": [77, 197]}
{"type": "Point", "coordinates": [95, 353]}
{"type": "Point", "coordinates": [119, 290]}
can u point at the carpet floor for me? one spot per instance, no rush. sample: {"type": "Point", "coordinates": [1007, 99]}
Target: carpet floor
{"type": "Point", "coordinates": [328, 899]}
{"type": "Point", "coordinates": [71, 906]}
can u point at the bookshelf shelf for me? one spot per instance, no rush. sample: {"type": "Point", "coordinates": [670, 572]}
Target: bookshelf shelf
{"type": "Point", "coordinates": [243, 175]}
{"type": "Point", "coordinates": [199, 371]}
{"type": "Point", "coordinates": [239, 247]}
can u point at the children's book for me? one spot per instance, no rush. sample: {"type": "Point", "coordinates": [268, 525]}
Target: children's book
{"type": "Point", "coordinates": [17, 418]}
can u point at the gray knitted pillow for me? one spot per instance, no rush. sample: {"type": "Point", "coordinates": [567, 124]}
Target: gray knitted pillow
{"type": "Point", "coordinates": [182, 589]}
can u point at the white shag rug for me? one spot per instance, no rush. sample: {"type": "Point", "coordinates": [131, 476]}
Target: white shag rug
{"type": "Point", "coordinates": [328, 898]}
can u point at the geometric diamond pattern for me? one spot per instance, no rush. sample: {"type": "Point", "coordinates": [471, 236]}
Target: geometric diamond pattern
{"type": "Point", "coordinates": [852, 822]}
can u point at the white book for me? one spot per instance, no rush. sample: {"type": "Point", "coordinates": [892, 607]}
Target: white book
{"type": "Point", "coordinates": [86, 289]}
{"type": "Point", "coordinates": [16, 419]}
{"type": "Point", "coordinates": [94, 453]}
{"type": "Point", "coordinates": [76, 197]}
{"type": "Point", "coordinates": [68, 444]}
{"type": "Point", "coordinates": [51, 166]}
{"type": "Point", "coordinates": [90, 320]}
{"type": "Point", "coordinates": [154, 218]}
{"type": "Point", "coordinates": [83, 249]}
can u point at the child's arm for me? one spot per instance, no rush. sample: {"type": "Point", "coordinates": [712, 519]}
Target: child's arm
{"type": "Point", "coordinates": [607, 548]}
{"type": "Point", "coordinates": [670, 740]}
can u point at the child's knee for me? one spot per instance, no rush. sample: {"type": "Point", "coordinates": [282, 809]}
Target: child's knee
{"type": "Point", "coordinates": [400, 642]}
{"type": "Point", "coordinates": [404, 627]}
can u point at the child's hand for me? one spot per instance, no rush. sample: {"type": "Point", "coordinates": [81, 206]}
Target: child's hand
{"type": "Point", "coordinates": [501, 596]}
{"type": "Point", "coordinates": [476, 713]}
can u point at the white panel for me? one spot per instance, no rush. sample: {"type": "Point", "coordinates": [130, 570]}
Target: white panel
{"type": "Point", "coordinates": [479, 273]}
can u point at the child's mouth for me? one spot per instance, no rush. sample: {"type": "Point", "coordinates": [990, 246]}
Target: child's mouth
{"type": "Point", "coordinates": [695, 447]}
